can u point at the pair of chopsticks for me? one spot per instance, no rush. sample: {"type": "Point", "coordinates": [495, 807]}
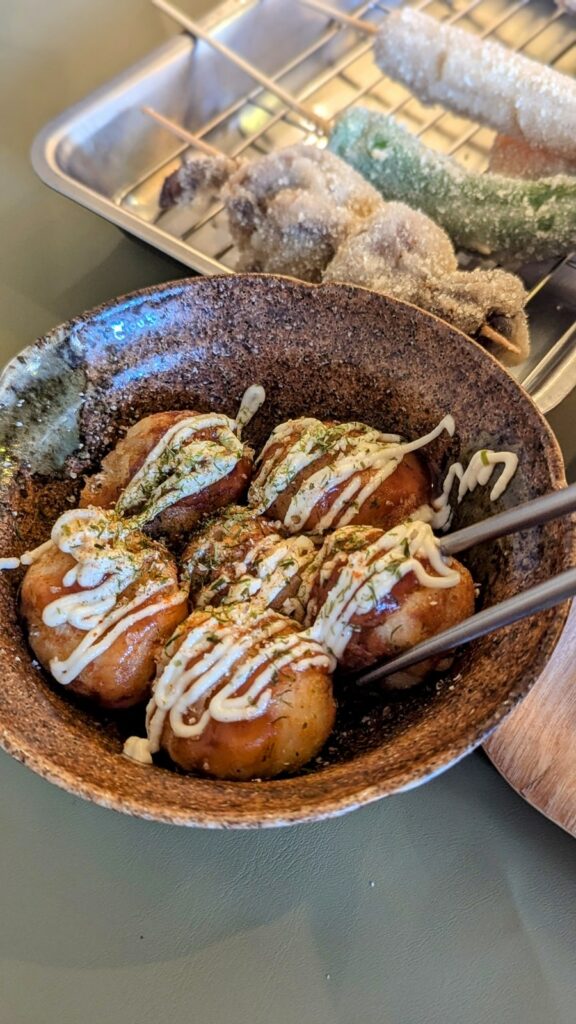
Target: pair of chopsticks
{"type": "Point", "coordinates": [529, 602]}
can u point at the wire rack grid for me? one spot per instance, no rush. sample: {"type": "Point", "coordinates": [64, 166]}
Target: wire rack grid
{"type": "Point", "coordinates": [327, 66]}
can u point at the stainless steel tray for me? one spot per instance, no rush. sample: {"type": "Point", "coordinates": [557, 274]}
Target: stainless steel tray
{"type": "Point", "coordinates": [112, 158]}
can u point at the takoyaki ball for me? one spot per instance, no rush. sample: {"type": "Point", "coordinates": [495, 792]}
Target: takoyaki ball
{"type": "Point", "coordinates": [101, 639]}
{"type": "Point", "coordinates": [241, 696]}
{"type": "Point", "coordinates": [383, 618]}
{"type": "Point", "coordinates": [171, 469]}
{"type": "Point", "coordinates": [241, 556]}
{"type": "Point", "coordinates": [314, 476]}
{"type": "Point", "coordinates": [222, 540]}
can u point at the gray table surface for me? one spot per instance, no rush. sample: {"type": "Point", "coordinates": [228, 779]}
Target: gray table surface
{"type": "Point", "coordinates": [452, 904]}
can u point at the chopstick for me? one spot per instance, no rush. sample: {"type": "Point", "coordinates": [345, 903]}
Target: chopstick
{"type": "Point", "coordinates": [529, 602]}
{"type": "Point", "coordinates": [268, 83]}
{"type": "Point", "coordinates": [530, 513]}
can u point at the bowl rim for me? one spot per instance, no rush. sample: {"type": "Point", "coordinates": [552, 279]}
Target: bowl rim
{"type": "Point", "coordinates": [339, 801]}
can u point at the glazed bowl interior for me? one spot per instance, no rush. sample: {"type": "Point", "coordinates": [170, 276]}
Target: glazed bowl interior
{"type": "Point", "coordinates": [326, 351]}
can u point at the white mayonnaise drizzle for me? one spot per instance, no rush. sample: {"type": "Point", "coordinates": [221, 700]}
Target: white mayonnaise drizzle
{"type": "Point", "coordinates": [216, 659]}
{"type": "Point", "coordinates": [478, 473]}
{"type": "Point", "coordinates": [181, 465]}
{"type": "Point", "coordinates": [267, 569]}
{"type": "Point", "coordinates": [369, 574]}
{"type": "Point", "coordinates": [9, 563]}
{"type": "Point", "coordinates": [137, 748]}
{"type": "Point", "coordinates": [219, 656]}
{"type": "Point", "coordinates": [112, 626]}
{"type": "Point", "coordinates": [252, 399]}
{"type": "Point", "coordinates": [355, 448]}
{"type": "Point", "coordinates": [105, 567]}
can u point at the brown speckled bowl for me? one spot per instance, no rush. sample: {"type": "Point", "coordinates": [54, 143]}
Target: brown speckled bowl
{"type": "Point", "coordinates": [328, 351]}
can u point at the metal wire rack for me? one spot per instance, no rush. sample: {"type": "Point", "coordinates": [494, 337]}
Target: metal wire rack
{"type": "Point", "coordinates": [113, 158]}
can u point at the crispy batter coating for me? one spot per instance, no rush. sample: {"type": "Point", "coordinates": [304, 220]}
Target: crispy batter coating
{"type": "Point", "coordinates": [401, 252]}
{"type": "Point", "coordinates": [290, 211]}
{"type": "Point", "coordinates": [199, 177]}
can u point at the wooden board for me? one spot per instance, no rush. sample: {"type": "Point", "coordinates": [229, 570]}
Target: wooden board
{"type": "Point", "coordinates": [535, 747]}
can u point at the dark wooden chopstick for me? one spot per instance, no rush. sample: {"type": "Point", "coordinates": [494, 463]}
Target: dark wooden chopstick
{"type": "Point", "coordinates": [529, 602]}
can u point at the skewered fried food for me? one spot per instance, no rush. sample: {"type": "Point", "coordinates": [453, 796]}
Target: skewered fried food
{"type": "Point", "coordinates": [480, 79]}
{"type": "Point", "coordinates": [100, 600]}
{"type": "Point", "coordinates": [514, 158]}
{"type": "Point", "coordinates": [377, 594]}
{"type": "Point", "coordinates": [240, 556]}
{"type": "Point", "coordinates": [240, 694]}
{"type": "Point", "coordinates": [172, 468]}
{"type": "Point", "coordinates": [403, 253]}
{"type": "Point", "coordinates": [315, 476]}
{"type": "Point", "coordinates": [298, 212]}
{"type": "Point", "coordinates": [198, 177]}
{"type": "Point", "coordinates": [290, 211]}
{"type": "Point", "coordinates": [503, 217]}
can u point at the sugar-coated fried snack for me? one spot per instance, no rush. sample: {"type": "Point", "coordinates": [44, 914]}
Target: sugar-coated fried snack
{"type": "Point", "coordinates": [199, 177]}
{"type": "Point", "coordinates": [479, 78]}
{"type": "Point", "coordinates": [506, 218]}
{"type": "Point", "coordinates": [300, 211]}
{"type": "Point", "coordinates": [514, 158]}
{"type": "Point", "coordinates": [401, 252]}
{"type": "Point", "coordinates": [291, 210]}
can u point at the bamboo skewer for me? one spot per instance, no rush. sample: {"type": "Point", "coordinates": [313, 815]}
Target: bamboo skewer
{"type": "Point", "coordinates": [182, 133]}
{"type": "Point", "coordinates": [346, 19]}
{"type": "Point", "coordinates": [491, 335]}
{"type": "Point", "coordinates": [268, 83]}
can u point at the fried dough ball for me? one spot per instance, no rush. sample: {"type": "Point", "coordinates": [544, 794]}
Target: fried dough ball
{"type": "Point", "coordinates": [374, 595]}
{"type": "Point", "coordinates": [240, 556]}
{"type": "Point", "coordinates": [314, 476]}
{"type": "Point", "coordinates": [172, 468]}
{"type": "Point", "coordinates": [82, 590]}
{"type": "Point", "coordinates": [224, 539]}
{"type": "Point", "coordinates": [241, 695]}
{"type": "Point", "coordinates": [290, 211]}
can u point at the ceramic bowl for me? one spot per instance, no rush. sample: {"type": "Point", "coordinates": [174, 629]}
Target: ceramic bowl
{"type": "Point", "coordinates": [327, 351]}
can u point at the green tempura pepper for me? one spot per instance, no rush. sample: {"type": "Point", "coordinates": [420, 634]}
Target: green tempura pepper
{"type": "Point", "coordinates": [508, 218]}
